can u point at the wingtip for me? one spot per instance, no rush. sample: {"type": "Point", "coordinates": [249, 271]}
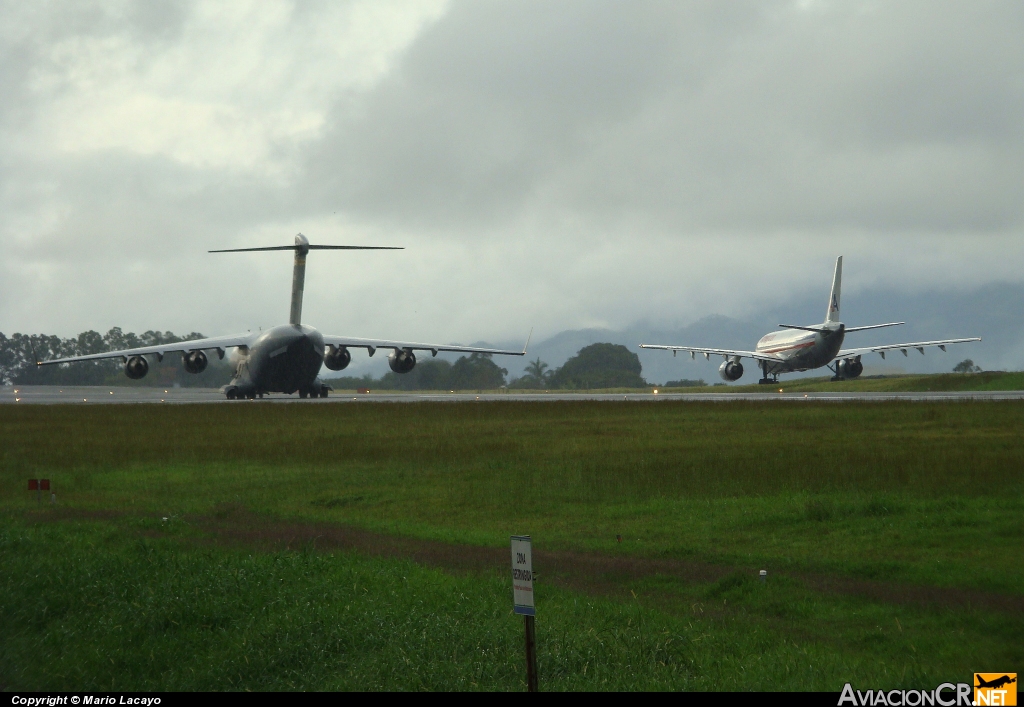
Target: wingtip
{"type": "Point", "coordinates": [527, 344]}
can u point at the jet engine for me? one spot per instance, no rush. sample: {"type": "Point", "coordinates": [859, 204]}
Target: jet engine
{"type": "Point", "coordinates": [338, 358]}
{"type": "Point", "coordinates": [195, 361]}
{"type": "Point", "coordinates": [850, 367]}
{"type": "Point", "coordinates": [402, 360]}
{"type": "Point", "coordinates": [136, 367]}
{"type": "Point", "coordinates": [730, 370]}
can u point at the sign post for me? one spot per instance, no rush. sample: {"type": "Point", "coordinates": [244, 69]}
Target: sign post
{"type": "Point", "coordinates": [522, 591]}
{"type": "Point", "coordinates": [40, 485]}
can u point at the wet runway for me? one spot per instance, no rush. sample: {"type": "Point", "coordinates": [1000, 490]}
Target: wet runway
{"type": "Point", "coordinates": [92, 395]}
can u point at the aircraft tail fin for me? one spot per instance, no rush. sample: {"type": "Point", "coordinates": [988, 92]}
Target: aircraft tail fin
{"type": "Point", "coordinates": [302, 248]}
{"type": "Point", "coordinates": [833, 301]}
{"type": "Point", "coordinates": [298, 279]}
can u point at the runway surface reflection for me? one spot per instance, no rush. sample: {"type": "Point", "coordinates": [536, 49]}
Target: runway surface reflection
{"type": "Point", "coordinates": [93, 395]}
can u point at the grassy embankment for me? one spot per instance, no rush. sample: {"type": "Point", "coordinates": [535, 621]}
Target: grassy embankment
{"type": "Point", "coordinates": [902, 495]}
{"type": "Point", "coordinates": [938, 382]}
{"type": "Point", "coordinates": [910, 383]}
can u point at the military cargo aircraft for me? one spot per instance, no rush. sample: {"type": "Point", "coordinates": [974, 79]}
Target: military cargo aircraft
{"type": "Point", "coordinates": [807, 347]}
{"type": "Point", "coordinates": [284, 359]}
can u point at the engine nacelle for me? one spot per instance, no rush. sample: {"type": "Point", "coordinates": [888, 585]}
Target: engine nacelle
{"type": "Point", "coordinates": [850, 367]}
{"type": "Point", "coordinates": [136, 367]}
{"type": "Point", "coordinates": [731, 370]}
{"type": "Point", "coordinates": [337, 359]}
{"type": "Point", "coordinates": [402, 360]}
{"type": "Point", "coordinates": [195, 361]}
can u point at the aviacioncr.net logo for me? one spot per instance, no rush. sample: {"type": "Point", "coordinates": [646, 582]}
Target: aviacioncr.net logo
{"type": "Point", "coordinates": [945, 695]}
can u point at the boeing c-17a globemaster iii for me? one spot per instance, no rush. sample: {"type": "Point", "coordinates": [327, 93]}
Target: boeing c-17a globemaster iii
{"type": "Point", "coordinates": [807, 347]}
{"type": "Point", "coordinates": [284, 359]}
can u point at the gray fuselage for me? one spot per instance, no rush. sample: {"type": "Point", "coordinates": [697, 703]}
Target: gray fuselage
{"type": "Point", "coordinates": [284, 359]}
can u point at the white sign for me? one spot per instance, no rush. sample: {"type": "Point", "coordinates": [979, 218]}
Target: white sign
{"type": "Point", "coordinates": [522, 575]}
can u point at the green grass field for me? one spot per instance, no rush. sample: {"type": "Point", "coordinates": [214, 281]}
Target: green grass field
{"type": "Point", "coordinates": [939, 382]}
{"type": "Point", "coordinates": [892, 534]}
{"type": "Point", "coordinates": [908, 383]}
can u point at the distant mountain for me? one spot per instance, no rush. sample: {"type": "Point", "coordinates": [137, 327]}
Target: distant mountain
{"type": "Point", "coordinates": [658, 366]}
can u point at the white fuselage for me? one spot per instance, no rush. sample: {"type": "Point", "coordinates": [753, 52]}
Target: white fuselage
{"type": "Point", "coordinates": [802, 350]}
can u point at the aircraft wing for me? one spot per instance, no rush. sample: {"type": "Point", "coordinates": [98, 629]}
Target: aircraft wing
{"type": "Point", "coordinates": [708, 353]}
{"type": "Point", "coordinates": [919, 345]}
{"type": "Point", "coordinates": [217, 342]}
{"type": "Point", "coordinates": [371, 345]}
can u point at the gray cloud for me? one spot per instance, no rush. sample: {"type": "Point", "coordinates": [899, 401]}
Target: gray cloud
{"type": "Point", "coordinates": [568, 165]}
{"type": "Point", "coordinates": [755, 117]}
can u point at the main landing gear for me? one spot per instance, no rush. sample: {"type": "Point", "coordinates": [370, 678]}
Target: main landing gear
{"type": "Point", "coordinates": [765, 380]}
{"type": "Point", "coordinates": [314, 393]}
{"type": "Point", "coordinates": [234, 393]}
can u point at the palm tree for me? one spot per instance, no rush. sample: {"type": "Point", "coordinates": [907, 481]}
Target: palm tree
{"type": "Point", "coordinates": [536, 369]}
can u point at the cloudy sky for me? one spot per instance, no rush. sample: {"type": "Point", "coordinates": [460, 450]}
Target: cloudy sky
{"type": "Point", "coordinates": [550, 165]}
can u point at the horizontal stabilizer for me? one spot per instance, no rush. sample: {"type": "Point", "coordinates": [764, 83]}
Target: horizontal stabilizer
{"type": "Point", "coordinates": [310, 247]}
{"type": "Point", "coordinates": [818, 330]}
{"type": "Point", "coordinates": [301, 249]}
{"type": "Point", "coordinates": [871, 326]}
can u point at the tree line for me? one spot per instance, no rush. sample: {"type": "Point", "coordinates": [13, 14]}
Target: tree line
{"type": "Point", "coordinates": [19, 353]}
{"type": "Point", "coordinates": [594, 366]}
{"type": "Point", "coordinates": [473, 372]}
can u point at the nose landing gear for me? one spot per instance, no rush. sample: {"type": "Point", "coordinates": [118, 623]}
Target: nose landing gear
{"type": "Point", "coordinates": [234, 393]}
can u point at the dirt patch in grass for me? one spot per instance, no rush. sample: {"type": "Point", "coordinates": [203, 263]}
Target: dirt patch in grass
{"type": "Point", "coordinates": [237, 526]}
{"type": "Point", "coordinates": [587, 571]}
{"type": "Point", "coordinates": [593, 573]}
{"type": "Point", "coordinates": [49, 514]}
{"type": "Point", "coordinates": [951, 597]}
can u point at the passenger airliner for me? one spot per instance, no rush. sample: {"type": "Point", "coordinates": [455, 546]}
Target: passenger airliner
{"type": "Point", "coordinates": [284, 359]}
{"type": "Point", "coordinates": [807, 347]}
